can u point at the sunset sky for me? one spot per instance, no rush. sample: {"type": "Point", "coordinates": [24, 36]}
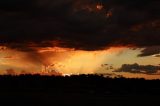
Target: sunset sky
{"type": "Point", "coordinates": [119, 37]}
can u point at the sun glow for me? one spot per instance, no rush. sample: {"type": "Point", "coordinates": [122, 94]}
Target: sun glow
{"type": "Point", "coordinates": [69, 61]}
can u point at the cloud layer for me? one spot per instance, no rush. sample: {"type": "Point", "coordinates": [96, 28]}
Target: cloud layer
{"type": "Point", "coordinates": [79, 24]}
{"type": "Point", "coordinates": [136, 68]}
{"type": "Point", "coordinates": [150, 51]}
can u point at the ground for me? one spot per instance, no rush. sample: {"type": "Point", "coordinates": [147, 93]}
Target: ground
{"type": "Point", "coordinates": [80, 90]}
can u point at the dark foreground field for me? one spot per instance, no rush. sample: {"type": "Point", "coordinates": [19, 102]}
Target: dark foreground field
{"type": "Point", "coordinates": [28, 90]}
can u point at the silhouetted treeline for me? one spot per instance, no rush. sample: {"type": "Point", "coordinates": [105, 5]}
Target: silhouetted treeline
{"type": "Point", "coordinates": [94, 84]}
{"type": "Point", "coordinates": [77, 90]}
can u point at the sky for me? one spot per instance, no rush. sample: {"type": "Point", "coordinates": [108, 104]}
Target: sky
{"type": "Point", "coordinates": [80, 37]}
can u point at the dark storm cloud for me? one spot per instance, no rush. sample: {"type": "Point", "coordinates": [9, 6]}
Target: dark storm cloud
{"type": "Point", "coordinates": [77, 23]}
{"type": "Point", "coordinates": [136, 68]}
{"type": "Point", "coordinates": [149, 51]}
{"type": "Point", "coordinates": [158, 55]}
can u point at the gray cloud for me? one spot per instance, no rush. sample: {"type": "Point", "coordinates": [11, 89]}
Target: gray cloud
{"type": "Point", "coordinates": [158, 55]}
{"type": "Point", "coordinates": [136, 68]}
{"type": "Point", "coordinates": [149, 51]}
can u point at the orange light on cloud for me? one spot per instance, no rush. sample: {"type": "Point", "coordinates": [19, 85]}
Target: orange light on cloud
{"type": "Point", "coordinates": [99, 6]}
{"type": "Point", "coordinates": [54, 49]}
{"type": "Point", "coordinates": [109, 14]}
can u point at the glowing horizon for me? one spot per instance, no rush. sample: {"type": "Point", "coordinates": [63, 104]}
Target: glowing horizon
{"type": "Point", "coordinates": [71, 61]}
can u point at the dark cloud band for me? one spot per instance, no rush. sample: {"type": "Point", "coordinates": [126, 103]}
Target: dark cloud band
{"type": "Point", "coordinates": [136, 68]}
{"type": "Point", "coordinates": [77, 24]}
